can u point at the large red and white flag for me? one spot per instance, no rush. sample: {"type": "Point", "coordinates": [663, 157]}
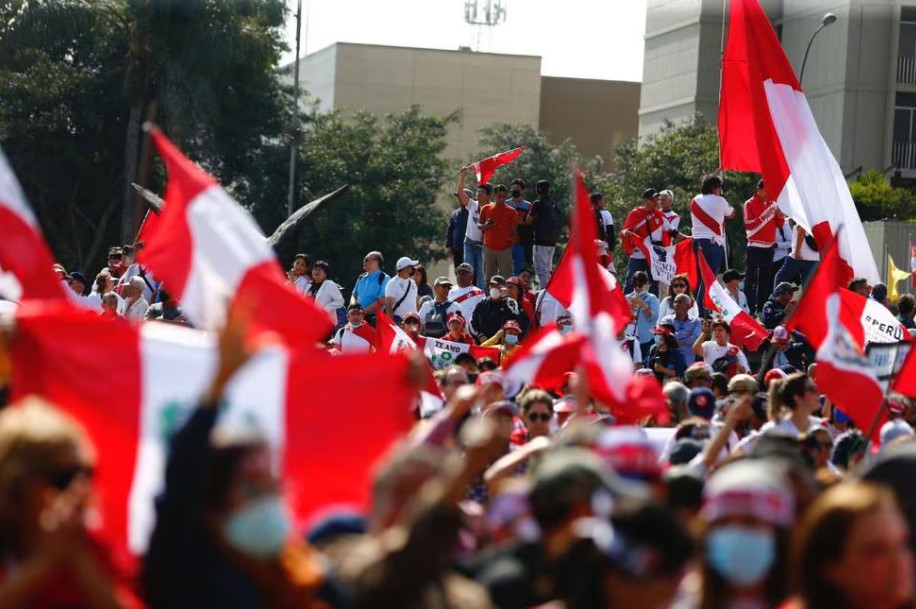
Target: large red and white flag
{"type": "Point", "coordinates": [545, 357]}
{"type": "Point", "coordinates": [211, 255]}
{"type": "Point", "coordinates": [746, 331]}
{"type": "Point", "coordinates": [25, 259]}
{"type": "Point", "coordinates": [867, 320]}
{"type": "Point", "coordinates": [686, 261]}
{"type": "Point", "coordinates": [562, 287]}
{"type": "Point", "coordinates": [485, 169]}
{"type": "Point", "coordinates": [844, 374]}
{"type": "Point", "coordinates": [327, 439]}
{"type": "Point", "coordinates": [766, 126]}
{"type": "Point", "coordinates": [905, 382]}
{"type": "Point", "coordinates": [595, 310]}
{"type": "Point", "coordinates": [394, 340]}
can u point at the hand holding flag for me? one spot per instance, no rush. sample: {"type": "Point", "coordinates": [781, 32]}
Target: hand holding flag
{"type": "Point", "coordinates": [485, 169]}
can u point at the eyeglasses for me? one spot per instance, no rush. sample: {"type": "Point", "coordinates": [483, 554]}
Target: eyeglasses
{"type": "Point", "coordinates": [535, 417]}
{"type": "Point", "coordinates": [62, 479]}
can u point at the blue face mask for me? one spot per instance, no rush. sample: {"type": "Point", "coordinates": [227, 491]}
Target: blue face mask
{"type": "Point", "coordinates": [510, 339]}
{"type": "Point", "coordinates": [742, 556]}
{"type": "Point", "coordinates": [741, 287]}
{"type": "Point", "coordinates": [659, 339]}
{"type": "Point", "coordinates": [565, 329]}
{"type": "Point", "coordinates": [259, 529]}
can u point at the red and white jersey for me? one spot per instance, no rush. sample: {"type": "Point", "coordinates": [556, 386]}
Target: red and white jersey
{"type": "Point", "coordinates": [673, 218]}
{"type": "Point", "coordinates": [708, 214]}
{"type": "Point", "coordinates": [760, 222]}
{"type": "Point", "coordinates": [361, 339]}
{"type": "Point", "coordinates": [643, 223]}
{"type": "Point", "coordinates": [466, 299]}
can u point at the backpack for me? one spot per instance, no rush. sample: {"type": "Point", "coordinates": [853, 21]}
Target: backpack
{"type": "Point", "coordinates": [727, 365]}
{"type": "Point", "coordinates": [435, 323]}
{"type": "Point", "coordinates": [549, 224]}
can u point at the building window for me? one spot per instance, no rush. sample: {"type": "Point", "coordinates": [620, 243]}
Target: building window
{"type": "Point", "coordinates": [906, 50]}
{"type": "Point", "coordinates": [904, 143]}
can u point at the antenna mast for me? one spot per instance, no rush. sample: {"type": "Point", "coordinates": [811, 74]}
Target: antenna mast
{"type": "Point", "coordinates": [484, 14]}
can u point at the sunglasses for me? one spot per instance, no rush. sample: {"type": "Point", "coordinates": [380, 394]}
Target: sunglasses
{"type": "Point", "coordinates": [62, 479]}
{"type": "Point", "coordinates": [535, 417]}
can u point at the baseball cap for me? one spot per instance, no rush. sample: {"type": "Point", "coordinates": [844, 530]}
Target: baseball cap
{"type": "Point", "coordinates": [731, 275]}
{"type": "Point", "coordinates": [742, 382]}
{"type": "Point", "coordinates": [649, 193]}
{"type": "Point", "coordinates": [896, 428]}
{"type": "Point", "coordinates": [77, 276]}
{"type": "Point", "coordinates": [774, 375]}
{"type": "Point", "coordinates": [456, 317]}
{"type": "Point", "coordinates": [464, 267]}
{"type": "Point", "coordinates": [404, 262]}
{"type": "Point", "coordinates": [355, 307]}
{"type": "Point", "coordinates": [491, 376]}
{"type": "Point", "coordinates": [684, 450]}
{"type": "Point", "coordinates": [750, 487]}
{"type": "Point", "coordinates": [697, 371]}
{"type": "Point", "coordinates": [497, 279]}
{"type": "Point", "coordinates": [785, 287]}
{"type": "Point", "coordinates": [442, 281]}
{"type": "Point", "coordinates": [514, 281]}
{"type": "Point", "coordinates": [503, 406]}
{"type": "Point", "coordinates": [664, 327]}
{"type": "Point", "coordinates": [780, 334]}
{"type": "Point", "coordinates": [412, 315]}
{"type": "Point", "coordinates": [702, 402]}
{"type": "Point", "coordinates": [565, 404]}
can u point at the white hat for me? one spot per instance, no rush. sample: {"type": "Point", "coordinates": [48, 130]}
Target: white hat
{"type": "Point", "coordinates": [749, 487]}
{"type": "Point", "coordinates": [893, 429]}
{"type": "Point", "coordinates": [404, 262]}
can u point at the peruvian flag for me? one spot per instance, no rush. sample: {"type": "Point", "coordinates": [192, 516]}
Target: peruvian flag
{"type": "Point", "coordinates": [392, 340]}
{"type": "Point", "coordinates": [867, 320]}
{"type": "Point", "coordinates": [905, 382]}
{"type": "Point", "coordinates": [746, 331]}
{"type": "Point", "coordinates": [844, 374]}
{"type": "Point", "coordinates": [485, 169]}
{"type": "Point", "coordinates": [546, 357]}
{"type": "Point", "coordinates": [327, 438]}
{"type": "Point", "coordinates": [442, 353]}
{"type": "Point", "coordinates": [686, 260]}
{"type": "Point", "coordinates": [25, 259]}
{"type": "Point", "coordinates": [594, 309]}
{"type": "Point", "coordinates": [766, 126]}
{"type": "Point", "coordinates": [562, 283]}
{"type": "Point", "coordinates": [211, 255]}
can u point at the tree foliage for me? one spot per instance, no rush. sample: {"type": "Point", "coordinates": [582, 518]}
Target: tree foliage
{"type": "Point", "coordinates": [876, 199]}
{"type": "Point", "coordinates": [75, 81]}
{"type": "Point", "coordinates": [396, 170]}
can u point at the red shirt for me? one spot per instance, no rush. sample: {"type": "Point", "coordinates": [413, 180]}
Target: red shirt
{"type": "Point", "coordinates": [500, 236]}
{"type": "Point", "coordinates": [643, 222]}
{"type": "Point", "coordinates": [760, 221]}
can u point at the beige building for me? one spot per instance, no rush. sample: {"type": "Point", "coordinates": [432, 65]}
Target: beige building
{"type": "Point", "coordinates": [487, 88]}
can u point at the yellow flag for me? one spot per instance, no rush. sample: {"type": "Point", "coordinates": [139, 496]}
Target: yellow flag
{"type": "Point", "coordinates": [893, 276]}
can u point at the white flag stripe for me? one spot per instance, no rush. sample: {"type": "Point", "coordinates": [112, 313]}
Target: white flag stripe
{"type": "Point", "coordinates": [11, 194]}
{"type": "Point", "coordinates": [816, 189]}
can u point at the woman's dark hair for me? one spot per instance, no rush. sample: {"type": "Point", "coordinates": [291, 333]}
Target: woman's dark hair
{"type": "Point", "coordinates": [595, 197]}
{"type": "Point", "coordinates": [485, 364]}
{"type": "Point", "coordinates": [710, 183]}
{"type": "Point", "coordinates": [535, 396]}
{"type": "Point", "coordinates": [421, 274]}
{"type": "Point", "coordinates": [670, 342]}
{"type": "Point", "coordinates": [679, 278]}
{"type": "Point", "coordinates": [721, 323]}
{"type": "Point", "coordinates": [906, 304]}
{"type": "Point", "coordinates": [302, 257]}
{"type": "Point", "coordinates": [321, 264]}
{"type": "Point", "coordinates": [846, 445]}
{"type": "Point", "coordinates": [821, 537]}
{"type": "Point", "coordinates": [640, 278]}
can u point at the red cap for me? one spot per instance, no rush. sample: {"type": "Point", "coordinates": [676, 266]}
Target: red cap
{"type": "Point", "coordinates": [456, 317]}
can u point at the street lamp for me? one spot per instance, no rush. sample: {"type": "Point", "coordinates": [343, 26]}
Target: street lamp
{"type": "Point", "coordinates": [827, 19]}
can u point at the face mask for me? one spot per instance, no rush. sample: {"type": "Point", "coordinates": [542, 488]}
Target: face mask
{"type": "Point", "coordinates": [510, 339]}
{"type": "Point", "coordinates": [516, 194]}
{"type": "Point", "coordinates": [565, 329]}
{"type": "Point", "coordinates": [259, 529]}
{"type": "Point", "coordinates": [741, 287]}
{"type": "Point", "coordinates": [659, 340]}
{"type": "Point", "coordinates": [741, 555]}
{"type": "Point", "coordinates": [495, 293]}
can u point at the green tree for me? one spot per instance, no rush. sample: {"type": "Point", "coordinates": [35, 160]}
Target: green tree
{"type": "Point", "coordinates": [76, 78]}
{"type": "Point", "coordinates": [396, 170]}
{"type": "Point", "coordinates": [876, 199]}
{"type": "Point", "coordinates": [676, 158]}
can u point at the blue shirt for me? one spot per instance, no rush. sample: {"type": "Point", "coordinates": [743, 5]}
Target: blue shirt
{"type": "Point", "coordinates": [686, 333]}
{"type": "Point", "coordinates": [369, 288]}
{"type": "Point", "coordinates": [645, 320]}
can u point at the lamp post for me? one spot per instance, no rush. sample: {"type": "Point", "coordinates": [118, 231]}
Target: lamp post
{"type": "Point", "coordinates": [827, 19]}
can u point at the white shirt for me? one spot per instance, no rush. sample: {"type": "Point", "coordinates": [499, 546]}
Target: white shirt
{"type": "Point", "coordinates": [473, 232]}
{"type": "Point", "coordinates": [466, 299]}
{"type": "Point", "coordinates": [786, 424]}
{"type": "Point", "coordinates": [302, 284]}
{"type": "Point", "coordinates": [673, 218]}
{"type": "Point", "coordinates": [664, 309]}
{"type": "Point", "coordinates": [328, 296]}
{"type": "Point", "coordinates": [549, 308]}
{"type": "Point", "coordinates": [79, 299]}
{"type": "Point", "coordinates": [349, 342]}
{"type": "Point", "coordinates": [134, 271]}
{"type": "Point", "coordinates": [740, 299]}
{"type": "Point", "coordinates": [718, 209]}
{"type": "Point", "coordinates": [783, 242]}
{"type": "Point", "coordinates": [396, 289]}
{"type": "Point", "coordinates": [137, 310]}
{"type": "Point", "coordinates": [806, 252]}
{"type": "Point", "coordinates": [713, 351]}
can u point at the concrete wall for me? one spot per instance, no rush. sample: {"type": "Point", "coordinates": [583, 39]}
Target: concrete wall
{"type": "Point", "coordinates": [597, 115]}
{"type": "Point", "coordinates": [486, 87]}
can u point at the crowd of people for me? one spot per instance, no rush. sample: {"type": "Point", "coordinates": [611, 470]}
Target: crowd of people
{"type": "Point", "coordinates": [755, 492]}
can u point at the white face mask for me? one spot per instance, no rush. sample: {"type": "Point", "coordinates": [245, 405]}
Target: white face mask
{"type": "Point", "coordinates": [260, 528]}
{"type": "Point", "coordinates": [495, 293]}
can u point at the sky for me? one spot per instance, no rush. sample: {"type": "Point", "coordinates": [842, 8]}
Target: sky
{"type": "Point", "coordinates": [600, 39]}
